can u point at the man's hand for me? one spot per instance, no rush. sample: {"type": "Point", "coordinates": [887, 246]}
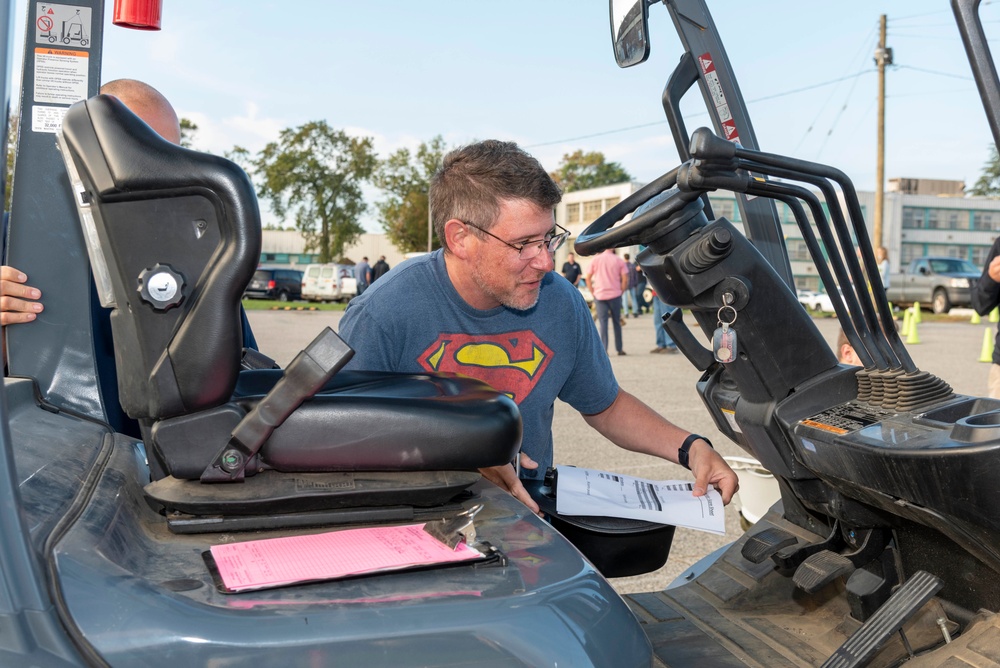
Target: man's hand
{"type": "Point", "coordinates": [994, 269]}
{"type": "Point", "coordinates": [709, 468]}
{"type": "Point", "coordinates": [505, 477]}
{"type": "Point", "coordinates": [14, 295]}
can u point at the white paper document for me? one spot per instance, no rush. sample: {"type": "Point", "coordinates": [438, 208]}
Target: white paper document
{"type": "Point", "coordinates": [588, 492]}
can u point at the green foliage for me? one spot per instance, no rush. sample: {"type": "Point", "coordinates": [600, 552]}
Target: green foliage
{"type": "Point", "coordinates": [405, 178]}
{"type": "Point", "coordinates": [188, 129]}
{"type": "Point", "coordinates": [579, 171]}
{"type": "Point", "coordinates": [11, 152]}
{"type": "Point", "coordinates": [314, 173]}
{"type": "Point", "coordinates": [988, 184]}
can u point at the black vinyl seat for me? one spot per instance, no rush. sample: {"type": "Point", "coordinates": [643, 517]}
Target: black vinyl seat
{"type": "Point", "coordinates": [174, 238]}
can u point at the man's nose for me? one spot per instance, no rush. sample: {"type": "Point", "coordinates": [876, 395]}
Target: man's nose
{"type": "Point", "coordinates": [545, 261]}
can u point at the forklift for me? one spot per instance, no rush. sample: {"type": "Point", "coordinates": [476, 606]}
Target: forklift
{"type": "Point", "coordinates": [883, 550]}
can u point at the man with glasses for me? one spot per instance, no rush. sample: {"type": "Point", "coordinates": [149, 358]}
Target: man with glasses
{"type": "Point", "coordinates": [488, 305]}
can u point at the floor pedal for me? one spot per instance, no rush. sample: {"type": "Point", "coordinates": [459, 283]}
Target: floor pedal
{"type": "Point", "coordinates": [821, 569]}
{"type": "Point", "coordinates": [760, 546]}
{"type": "Point", "coordinates": [910, 597]}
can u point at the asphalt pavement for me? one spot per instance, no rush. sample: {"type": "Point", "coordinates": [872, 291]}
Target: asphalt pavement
{"type": "Point", "coordinates": [950, 350]}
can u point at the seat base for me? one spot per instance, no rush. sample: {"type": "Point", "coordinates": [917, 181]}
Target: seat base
{"type": "Point", "coordinates": [182, 523]}
{"type": "Point", "coordinates": [271, 492]}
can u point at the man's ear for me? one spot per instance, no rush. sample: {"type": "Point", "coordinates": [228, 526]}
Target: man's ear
{"type": "Point", "coordinates": [457, 238]}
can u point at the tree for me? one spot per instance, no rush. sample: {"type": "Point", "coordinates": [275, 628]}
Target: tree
{"type": "Point", "coordinates": [406, 180]}
{"type": "Point", "coordinates": [988, 184]}
{"type": "Point", "coordinates": [315, 172]}
{"type": "Point", "coordinates": [188, 128]}
{"type": "Point", "coordinates": [579, 171]}
{"type": "Point", "coordinates": [12, 120]}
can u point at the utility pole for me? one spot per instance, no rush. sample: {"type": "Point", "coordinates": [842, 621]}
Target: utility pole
{"type": "Point", "coordinates": [883, 57]}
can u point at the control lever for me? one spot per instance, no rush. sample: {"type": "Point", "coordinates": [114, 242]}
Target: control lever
{"type": "Point", "coordinates": [308, 372]}
{"type": "Point", "coordinates": [700, 356]}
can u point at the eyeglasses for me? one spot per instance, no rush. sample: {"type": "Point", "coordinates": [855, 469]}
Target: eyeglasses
{"type": "Point", "coordinates": [529, 250]}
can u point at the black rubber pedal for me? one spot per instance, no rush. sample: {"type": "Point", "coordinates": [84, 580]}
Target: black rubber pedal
{"type": "Point", "coordinates": [821, 569]}
{"type": "Point", "coordinates": [760, 546]}
{"type": "Point", "coordinates": [859, 649]}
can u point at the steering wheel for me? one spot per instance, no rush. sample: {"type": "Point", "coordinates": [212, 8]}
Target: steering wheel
{"type": "Point", "coordinates": [599, 236]}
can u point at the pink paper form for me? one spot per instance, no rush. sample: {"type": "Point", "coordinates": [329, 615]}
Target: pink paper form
{"type": "Point", "coordinates": [273, 562]}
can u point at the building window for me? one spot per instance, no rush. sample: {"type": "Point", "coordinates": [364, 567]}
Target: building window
{"type": "Point", "coordinates": [591, 210]}
{"type": "Point", "coordinates": [807, 283]}
{"type": "Point", "coordinates": [942, 219]}
{"type": "Point", "coordinates": [269, 257]}
{"type": "Point", "coordinates": [946, 250]}
{"type": "Point", "coordinates": [985, 220]}
{"type": "Point", "coordinates": [798, 251]}
{"type": "Point", "coordinates": [610, 202]}
{"type": "Point", "coordinates": [572, 213]}
{"type": "Point", "coordinates": [910, 252]}
{"type": "Point", "coordinates": [913, 219]}
{"type": "Point", "coordinates": [723, 208]}
{"type": "Point", "coordinates": [978, 255]}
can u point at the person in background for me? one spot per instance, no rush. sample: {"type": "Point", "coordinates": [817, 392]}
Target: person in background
{"type": "Point", "coordinates": [845, 351]}
{"type": "Point", "coordinates": [362, 274]}
{"type": "Point", "coordinates": [985, 298]}
{"type": "Point", "coordinates": [664, 344]}
{"type": "Point", "coordinates": [488, 304]}
{"type": "Point", "coordinates": [629, 298]}
{"type": "Point", "coordinates": [608, 280]}
{"type": "Point", "coordinates": [882, 257]}
{"type": "Point", "coordinates": [640, 289]}
{"type": "Point", "coordinates": [571, 270]}
{"type": "Point", "coordinates": [380, 269]}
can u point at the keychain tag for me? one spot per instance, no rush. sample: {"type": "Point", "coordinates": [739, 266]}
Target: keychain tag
{"type": "Point", "coordinates": [724, 339]}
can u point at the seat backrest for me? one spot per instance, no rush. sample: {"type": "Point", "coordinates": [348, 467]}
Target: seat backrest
{"type": "Point", "coordinates": [174, 238]}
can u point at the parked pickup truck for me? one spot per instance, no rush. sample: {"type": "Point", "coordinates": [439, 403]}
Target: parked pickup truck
{"type": "Point", "coordinates": [940, 282]}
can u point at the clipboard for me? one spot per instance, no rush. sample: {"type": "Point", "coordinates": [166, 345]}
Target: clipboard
{"type": "Point", "coordinates": [349, 553]}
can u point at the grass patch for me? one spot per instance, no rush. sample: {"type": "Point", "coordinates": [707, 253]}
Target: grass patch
{"type": "Point", "coordinates": [274, 305]}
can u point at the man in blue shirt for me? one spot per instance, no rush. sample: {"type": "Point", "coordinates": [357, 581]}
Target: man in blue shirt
{"type": "Point", "coordinates": [488, 305]}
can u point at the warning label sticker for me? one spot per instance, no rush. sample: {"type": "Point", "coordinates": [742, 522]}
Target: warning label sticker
{"type": "Point", "coordinates": [60, 75]}
{"type": "Point", "coordinates": [714, 85]}
{"type": "Point", "coordinates": [66, 25]}
{"type": "Point", "coordinates": [845, 418]}
{"type": "Point", "coordinates": [46, 119]}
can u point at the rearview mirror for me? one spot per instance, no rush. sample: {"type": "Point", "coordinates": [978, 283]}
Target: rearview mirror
{"type": "Point", "coordinates": [629, 31]}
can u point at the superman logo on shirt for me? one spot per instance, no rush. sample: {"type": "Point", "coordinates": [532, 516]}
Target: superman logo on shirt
{"type": "Point", "coordinates": [512, 363]}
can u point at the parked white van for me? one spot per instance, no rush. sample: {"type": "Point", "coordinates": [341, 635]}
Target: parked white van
{"type": "Point", "coordinates": [328, 282]}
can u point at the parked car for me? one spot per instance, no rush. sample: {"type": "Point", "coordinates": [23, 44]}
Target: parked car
{"type": "Point", "coordinates": [270, 283]}
{"type": "Point", "coordinates": [938, 282]}
{"type": "Point", "coordinates": [329, 282]}
{"type": "Point", "coordinates": [816, 301]}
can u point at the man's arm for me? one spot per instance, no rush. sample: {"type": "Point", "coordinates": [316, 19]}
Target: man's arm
{"type": "Point", "coordinates": [634, 426]}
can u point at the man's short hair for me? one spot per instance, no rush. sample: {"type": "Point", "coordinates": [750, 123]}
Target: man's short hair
{"type": "Point", "coordinates": [475, 179]}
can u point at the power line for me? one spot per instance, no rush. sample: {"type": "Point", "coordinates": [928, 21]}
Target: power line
{"type": "Point", "coordinates": [660, 122]}
{"type": "Point", "coordinates": [926, 71]}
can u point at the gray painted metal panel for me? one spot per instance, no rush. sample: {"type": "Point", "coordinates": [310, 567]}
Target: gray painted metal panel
{"type": "Point", "coordinates": [731, 121]}
{"type": "Point", "coordinates": [46, 243]}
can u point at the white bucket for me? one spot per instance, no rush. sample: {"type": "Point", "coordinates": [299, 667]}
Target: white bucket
{"type": "Point", "coordinates": [758, 488]}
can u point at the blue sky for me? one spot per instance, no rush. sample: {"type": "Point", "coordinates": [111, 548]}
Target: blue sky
{"type": "Point", "coordinates": [542, 73]}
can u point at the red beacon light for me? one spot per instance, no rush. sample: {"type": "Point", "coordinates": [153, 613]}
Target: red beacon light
{"type": "Point", "coordinates": [137, 14]}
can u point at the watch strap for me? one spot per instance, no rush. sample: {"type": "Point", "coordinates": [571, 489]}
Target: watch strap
{"type": "Point", "coordinates": [684, 452]}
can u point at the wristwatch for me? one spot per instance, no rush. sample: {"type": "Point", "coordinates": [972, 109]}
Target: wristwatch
{"type": "Point", "coordinates": [682, 454]}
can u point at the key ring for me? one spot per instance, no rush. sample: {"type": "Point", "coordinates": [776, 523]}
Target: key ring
{"type": "Point", "coordinates": [735, 314]}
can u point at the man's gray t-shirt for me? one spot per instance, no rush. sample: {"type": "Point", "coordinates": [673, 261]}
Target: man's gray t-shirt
{"type": "Point", "coordinates": [414, 321]}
